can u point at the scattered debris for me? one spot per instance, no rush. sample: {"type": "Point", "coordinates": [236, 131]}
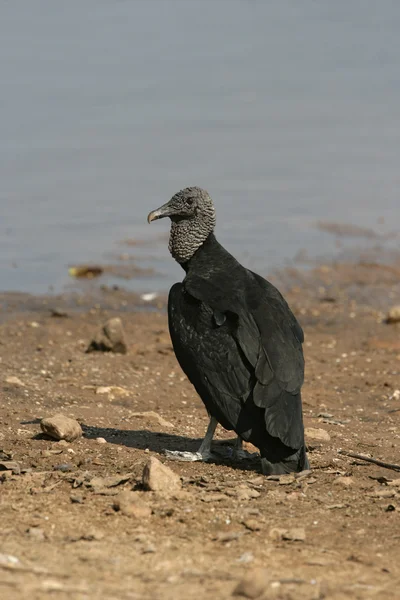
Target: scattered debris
{"type": "Point", "coordinates": [110, 338]}
{"type": "Point", "coordinates": [157, 477]}
{"type": "Point", "coordinates": [393, 315]}
{"type": "Point", "coordinates": [61, 427]}
{"type": "Point", "coordinates": [131, 504]}
{"type": "Point", "coordinates": [253, 585]}
{"type": "Point", "coordinates": [319, 435]}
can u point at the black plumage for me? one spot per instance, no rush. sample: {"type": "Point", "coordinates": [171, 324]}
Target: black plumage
{"type": "Point", "coordinates": [237, 341]}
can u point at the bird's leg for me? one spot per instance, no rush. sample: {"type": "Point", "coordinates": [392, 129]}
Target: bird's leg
{"type": "Point", "coordinates": [204, 452]}
{"type": "Point", "coordinates": [238, 453]}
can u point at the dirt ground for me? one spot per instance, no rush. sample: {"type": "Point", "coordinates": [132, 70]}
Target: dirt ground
{"type": "Point", "coordinates": [332, 534]}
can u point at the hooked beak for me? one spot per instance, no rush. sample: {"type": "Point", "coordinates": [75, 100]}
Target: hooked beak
{"type": "Point", "coordinates": [159, 213]}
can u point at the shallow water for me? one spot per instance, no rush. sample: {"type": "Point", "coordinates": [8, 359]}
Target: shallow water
{"type": "Point", "coordinates": [287, 112]}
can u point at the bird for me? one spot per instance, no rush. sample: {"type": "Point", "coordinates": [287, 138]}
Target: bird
{"type": "Point", "coordinates": [236, 339]}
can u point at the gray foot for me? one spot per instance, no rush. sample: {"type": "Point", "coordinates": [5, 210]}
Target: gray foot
{"type": "Point", "coordinates": [188, 456]}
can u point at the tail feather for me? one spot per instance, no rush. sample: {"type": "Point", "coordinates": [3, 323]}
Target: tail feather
{"type": "Point", "coordinates": [292, 464]}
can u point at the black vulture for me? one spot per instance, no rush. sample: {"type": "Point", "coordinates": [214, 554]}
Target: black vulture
{"type": "Point", "coordinates": [235, 338]}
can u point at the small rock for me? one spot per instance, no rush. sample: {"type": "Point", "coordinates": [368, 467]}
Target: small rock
{"type": "Point", "coordinates": [160, 478]}
{"type": "Point", "coordinates": [395, 395]}
{"type": "Point", "coordinates": [246, 557]}
{"type": "Point", "coordinates": [12, 380]}
{"type": "Point", "coordinates": [58, 312]}
{"type": "Point", "coordinates": [297, 534]}
{"type": "Point", "coordinates": [64, 467]}
{"type": "Point", "coordinates": [252, 524]}
{"type": "Point", "coordinates": [345, 481]}
{"type": "Point", "coordinates": [227, 536]}
{"type": "Point", "coordinates": [36, 534]}
{"type": "Point", "coordinates": [98, 484]}
{"type": "Point", "coordinates": [110, 338]}
{"type": "Point", "coordinates": [61, 427]}
{"type": "Point", "coordinates": [77, 498]}
{"type": "Point", "coordinates": [131, 504]}
{"type": "Point", "coordinates": [286, 479]}
{"type": "Point", "coordinates": [10, 465]}
{"type": "Point", "coordinates": [93, 535]}
{"type": "Point", "coordinates": [393, 315]}
{"type": "Point", "coordinates": [101, 440]}
{"type": "Point", "coordinates": [320, 435]}
{"type": "Point", "coordinates": [394, 482]}
{"type": "Point", "coordinates": [253, 585]}
{"type": "Point", "coordinates": [243, 492]}
{"type": "Point", "coordinates": [150, 414]}
{"type": "Point", "coordinates": [113, 390]}
{"type": "Point", "coordinates": [214, 497]}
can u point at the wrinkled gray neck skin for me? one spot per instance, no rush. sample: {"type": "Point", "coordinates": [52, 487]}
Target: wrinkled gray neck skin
{"type": "Point", "coordinates": [186, 236]}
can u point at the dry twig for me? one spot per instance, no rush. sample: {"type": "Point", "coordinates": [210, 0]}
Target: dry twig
{"type": "Point", "coordinates": [374, 461]}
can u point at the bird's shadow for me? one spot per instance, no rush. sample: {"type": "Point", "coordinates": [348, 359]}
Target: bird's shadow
{"type": "Point", "coordinates": [158, 442]}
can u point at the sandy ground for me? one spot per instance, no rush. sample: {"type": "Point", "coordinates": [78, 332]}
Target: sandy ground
{"type": "Point", "coordinates": [60, 535]}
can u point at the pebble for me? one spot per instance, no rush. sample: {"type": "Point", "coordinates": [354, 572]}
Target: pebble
{"type": "Point", "coordinates": [110, 338]}
{"type": "Point", "coordinates": [12, 380]}
{"type": "Point", "coordinates": [64, 467]}
{"type": "Point", "coordinates": [77, 498]}
{"type": "Point", "coordinates": [113, 390]}
{"type": "Point", "coordinates": [253, 585]}
{"type": "Point", "coordinates": [150, 414]}
{"type": "Point", "coordinates": [345, 481]}
{"type": "Point", "coordinates": [246, 557]}
{"type": "Point", "coordinates": [393, 315]}
{"type": "Point", "coordinates": [61, 427]}
{"type": "Point", "coordinates": [131, 504]}
{"type": "Point", "coordinates": [214, 497]}
{"type": "Point", "coordinates": [297, 534]}
{"type": "Point", "coordinates": [101, 440]}
{"type": "Point", "coordinates": [252, 524]}
{"type": "Point", "coordinates": [243, 492]}
{"type": "Point", "coordinates": [157, 477]}
{"type": "Point", "coordinates": [319, 435]}
{"type": "Point", "coordinates": [36, 533]}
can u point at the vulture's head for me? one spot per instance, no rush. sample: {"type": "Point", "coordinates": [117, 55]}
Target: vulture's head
{"type": "Point", "coordinates": [192, 214]}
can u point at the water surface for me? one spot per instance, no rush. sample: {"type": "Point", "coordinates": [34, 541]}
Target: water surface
{"type": "Point", "coordinates": [287, 112]}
